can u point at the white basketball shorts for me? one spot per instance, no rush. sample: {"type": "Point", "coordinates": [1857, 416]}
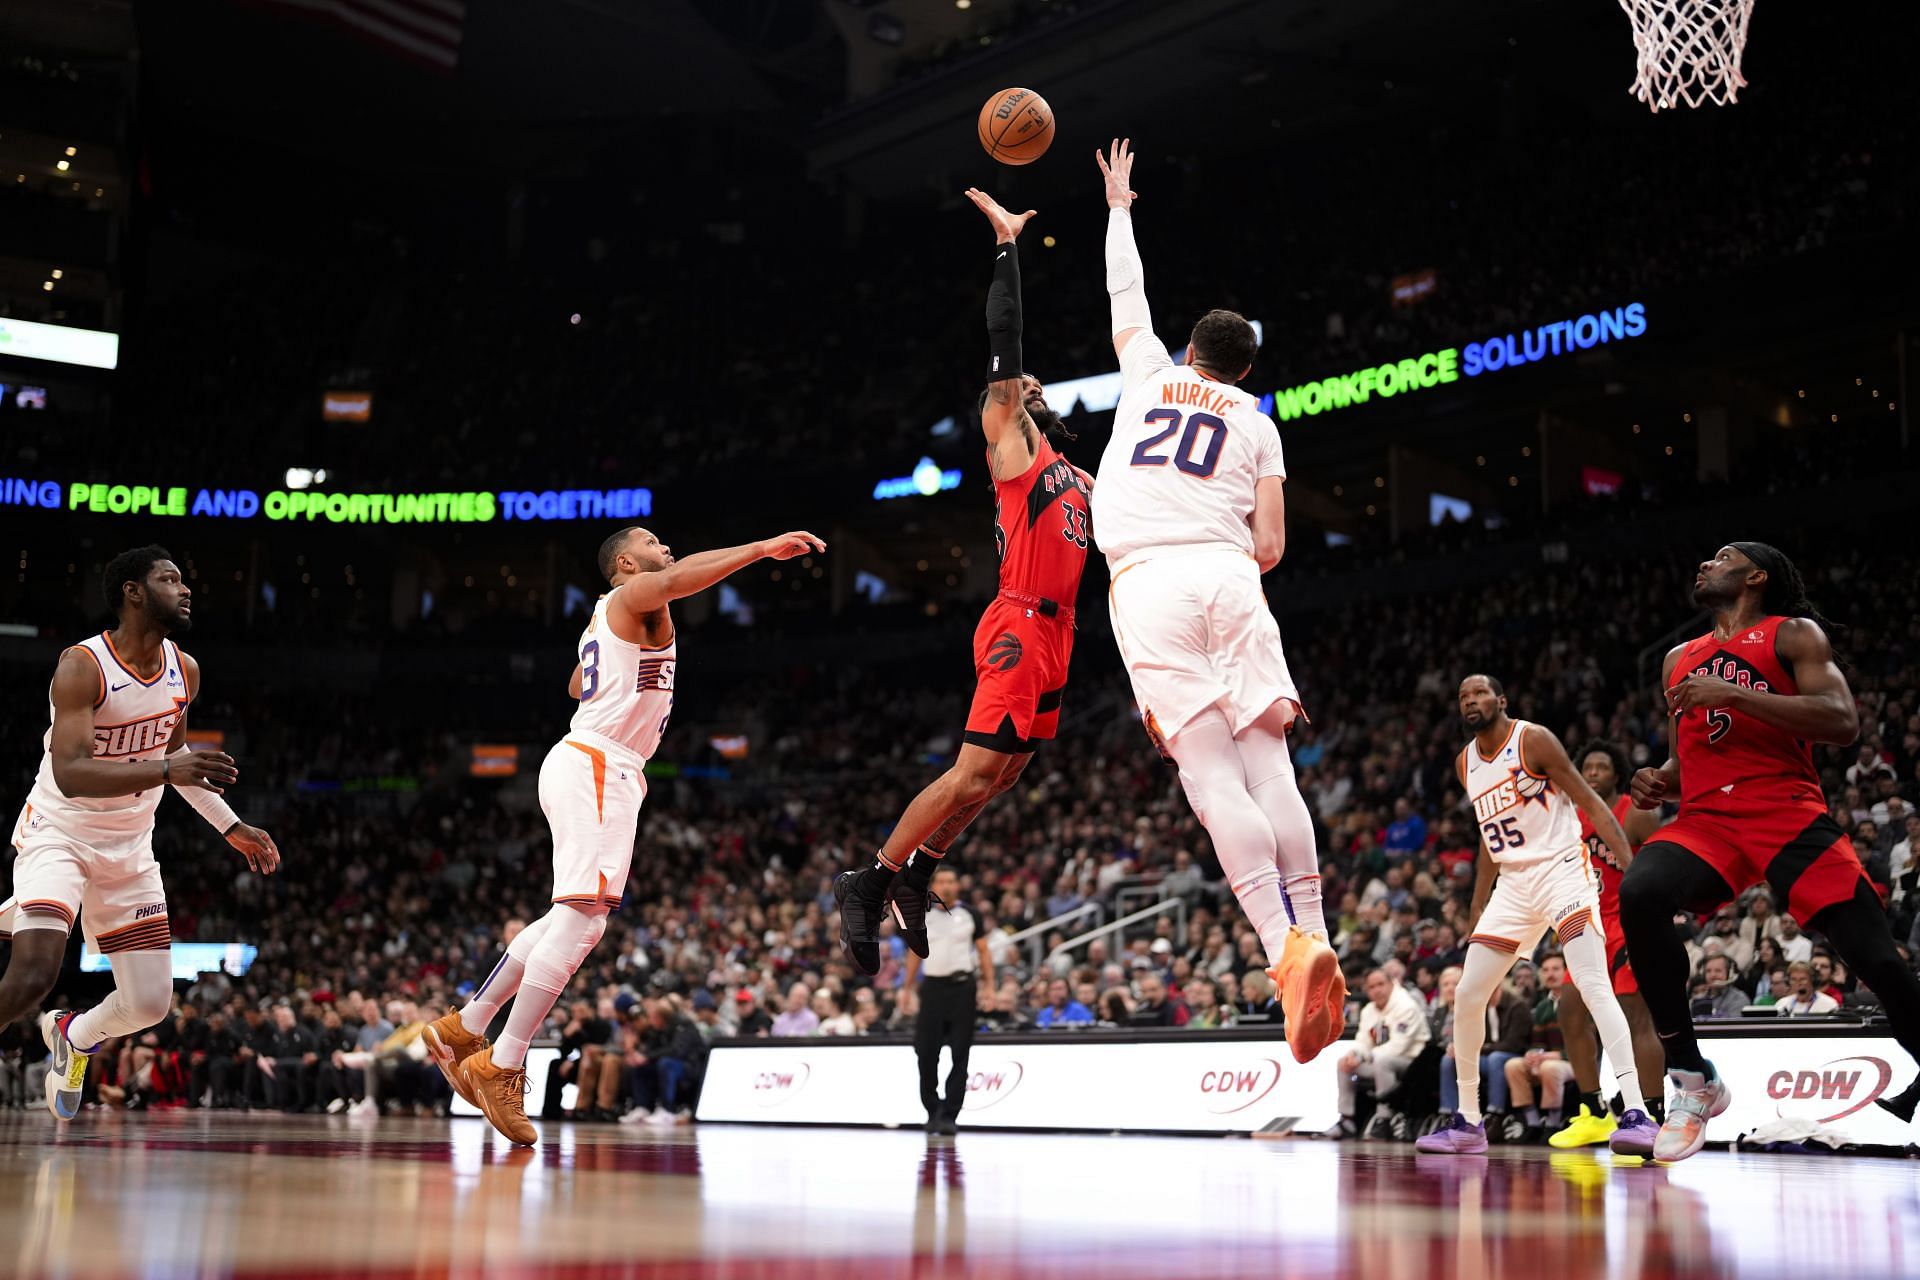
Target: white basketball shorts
{"type": "Point", "coordinates": [118, 897]}
{"type": "Point", "coordinates": [1195, 631]}
{"type": "Point", "coordinates": [590, 789]}
{"type": "Point", "coordinates": [1559, 893]}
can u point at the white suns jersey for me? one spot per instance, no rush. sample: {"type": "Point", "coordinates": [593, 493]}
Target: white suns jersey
{"type": "Point", "coordinates": [626, 690]}
{"type": "Point", "coordinates": [1185, 456]}
{"type": "Point", "coordinates": [133, 720]}
{"type": "Point", "coordinates": [1522, 816]}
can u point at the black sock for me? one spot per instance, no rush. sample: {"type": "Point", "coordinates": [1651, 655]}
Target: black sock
{"type": "Point", "coordinates": [873, 883]}
{"type": "Point", "coordinates": [919, 872]}
{"type": "Point", "coordinates": [1683, 1053]}
{"type": "Point", "coordinates": [1593, 1104]}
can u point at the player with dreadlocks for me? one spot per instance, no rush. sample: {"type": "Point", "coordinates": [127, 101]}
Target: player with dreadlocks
{"type": "Point", "coordinates": [1746, 703]}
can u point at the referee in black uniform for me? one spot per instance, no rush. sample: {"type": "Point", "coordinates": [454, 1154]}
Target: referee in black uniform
{"type": "Point", "coordinates": [956, 961]}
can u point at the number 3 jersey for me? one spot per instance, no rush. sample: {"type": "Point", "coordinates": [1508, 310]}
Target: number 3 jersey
{"type": "Point", "coordinates": [1186, 454]}
{"type": "Point", "coordinates": [1040, 527]}
{"type": "Point", "coordinates": [1522, 816]}
{"type": "Point", "coordinates": [1729, 759]}
{"type": "Point", "coordinates": [626, 689]}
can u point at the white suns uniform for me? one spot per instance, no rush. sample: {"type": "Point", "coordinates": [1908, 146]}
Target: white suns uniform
{"type": "Point", "coordinates": [591, 784]}
{"type": "Point", "coordinates": [93, 857]}
{"type": "Point", "coordinates": [1532, 831]}
{"type": "Point", "coordinates": [1171, 508]}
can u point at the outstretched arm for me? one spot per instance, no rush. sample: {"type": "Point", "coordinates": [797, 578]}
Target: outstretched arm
{"type": "Point", "coordinates": [1822, 711]}
{"type": "Point", "coordinates": [1126, 284]}
{"type": "Point", "coordinates": [1012, 439]}
{"type": "Point", "coordinates": [642, 595]}
{"type": "Point", "coordinates": [1542, 752]}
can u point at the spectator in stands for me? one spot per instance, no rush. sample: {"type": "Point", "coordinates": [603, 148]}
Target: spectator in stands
{"type": "Point", "coordinates": [1152, 1008]}
{"type": "Point", "coordinates": [1061, 1010]}
{"type": "Point", "coordinates": [833, 1021]}
{"type": "Point", "coordinates": [1802, 997]}
{"type": "Point", "coordinates": [665, 1081]}
{"type": "Point", "coordinates": [1407, 833]}
{"type": "Point", "coordinates": [797, 1019]}
{"type": "Point", "coordinates": [1204, 1003]}
{"type": "Point", "coordinates": [1721, 999]}
{"type": "Point", "coordinates": [1869, 766]}
{"type": "Point", "coordinates": [754, 1021]}
{"type": "Point", "coordinates": [1393, 1032]}
{"type": "Point", "coordinates": [1795, 945]}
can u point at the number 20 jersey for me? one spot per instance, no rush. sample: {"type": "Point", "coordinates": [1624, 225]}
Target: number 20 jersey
{"type": "Point", "coordinates": [1186, 454]}
{"type": "Point", "coordinates": [626, 689]}
{"type": "Point", "coordinates": [1729, 761]}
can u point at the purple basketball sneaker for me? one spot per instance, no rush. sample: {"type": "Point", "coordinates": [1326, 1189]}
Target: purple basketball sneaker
{"type": "Point", "coordinates": [1455, 1138]}
{"type": "Point", "coordinates": [1635, 1135]}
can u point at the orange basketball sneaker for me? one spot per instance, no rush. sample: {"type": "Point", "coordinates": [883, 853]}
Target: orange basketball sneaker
{"type": "Point", "coordinates": [498, 1092]}
{"type": "Point", "coordinates": [450, 1043]}
{"type": "Point", "coordinates": [1313, 993]}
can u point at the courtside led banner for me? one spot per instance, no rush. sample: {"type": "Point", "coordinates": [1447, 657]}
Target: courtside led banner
{"type": "Point", "coordinates": [315, 506]}
{"type": "Point", "coordinates": [1233, 1085]}
{"type": "Point", "coordinates": [59, 343]}
{"type": "Point", "coordinates": [1450, 364]}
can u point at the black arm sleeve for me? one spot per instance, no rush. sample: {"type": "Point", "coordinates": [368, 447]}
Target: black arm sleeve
{"type": "Point", "coordinates": [1003, 316]}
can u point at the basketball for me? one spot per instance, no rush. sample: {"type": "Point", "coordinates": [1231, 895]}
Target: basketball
{"type": "Point", "coordinates": [1016, 126]}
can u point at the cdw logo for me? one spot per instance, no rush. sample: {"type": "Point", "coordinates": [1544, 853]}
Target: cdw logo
{"type": "Point", "coordinates": [775, 1085]}
{"type": "Point", "coordinates": [1237, 1088]}
{"type": "Point", "coordinates": [989, 1085]}
{"type": "Point", "coordinates": [1838, 1085]}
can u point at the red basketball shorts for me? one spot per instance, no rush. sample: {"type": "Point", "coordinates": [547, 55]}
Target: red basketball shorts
{"type": "Point", "coordinates": [1020, 661]}
{"type": "Point", "coordinates": [1624, 983]}
{"type": "Point", "coordinates": [1793, 845]}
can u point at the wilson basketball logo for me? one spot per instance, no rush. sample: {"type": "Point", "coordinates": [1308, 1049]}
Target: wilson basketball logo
{"type": "Point", "coordinates": [1006, 652]}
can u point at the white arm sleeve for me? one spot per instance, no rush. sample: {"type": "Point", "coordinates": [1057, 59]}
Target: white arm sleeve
{"type": "Point", "coordinates": [1125, 283]}
{"type": "Point", "coordinates": [218, 813]}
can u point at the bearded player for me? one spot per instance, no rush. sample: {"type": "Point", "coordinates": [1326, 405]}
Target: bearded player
{"type": "Point", "coordinates": [1534, 875]}
{"type": "Point", "coordinates": [83, 846]}
{"type": "Point", "coordinates": [1604, 766]}
{"type": "Point", "coordinates": [1191, 511]}
{"type": "Point", "coordinates": [591, 787]}
{"type": "Point", "coordinates": [1746, 702]}
{"type": "Point", "coordinates": [1024, 640]}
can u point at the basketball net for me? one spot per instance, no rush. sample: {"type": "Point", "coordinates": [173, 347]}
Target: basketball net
{"type": "Point", "coordinates": [1689, 50]}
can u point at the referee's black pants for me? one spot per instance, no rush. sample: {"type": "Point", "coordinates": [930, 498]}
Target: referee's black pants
{"type": "Point", "coordinates": [946, 1018]}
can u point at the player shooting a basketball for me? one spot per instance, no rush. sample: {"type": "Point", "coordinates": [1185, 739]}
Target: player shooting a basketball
{"type": "Point", "coordinates": [1025, 637]}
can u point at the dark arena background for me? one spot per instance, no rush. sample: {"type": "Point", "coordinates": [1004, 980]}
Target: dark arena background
{"type": "Point", "coordinates": [380, 315]}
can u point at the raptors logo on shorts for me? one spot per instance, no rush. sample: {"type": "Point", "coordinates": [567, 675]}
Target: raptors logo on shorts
{"type": "Point", "coordinates": [1005, 653]}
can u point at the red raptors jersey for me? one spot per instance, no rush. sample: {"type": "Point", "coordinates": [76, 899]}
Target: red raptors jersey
{"type": "Point", "coordinates": [1040, 523]}
{"type": "Point", "coordinates": [1602, 857]}
{"type": "Point", "coordinates": [1727, 757]}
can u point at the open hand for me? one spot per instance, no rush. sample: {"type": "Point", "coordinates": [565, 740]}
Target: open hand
{"type": "Point", "coordinates": [789, 545]}
{"type": "Point", "coordinates": [257, 847]}
{"type": "Point", "coordinates": [1006, 226]}
{"type": "Point", "coordinates": [1117, 168]}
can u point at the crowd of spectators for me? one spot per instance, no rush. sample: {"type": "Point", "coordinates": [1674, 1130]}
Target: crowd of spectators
{"type": "Point", "coordinates": [393, 901]}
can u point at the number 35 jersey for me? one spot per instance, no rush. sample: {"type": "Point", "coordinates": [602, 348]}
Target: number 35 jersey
{"type": "Point", "coordinates": [1522, 816]}
{"type": "Point", "coordinates": [626, 689]}
{"type": "Point", "coordinates": [1728, 759]}
{"type": "Point", "coordinates": [1186, 454]}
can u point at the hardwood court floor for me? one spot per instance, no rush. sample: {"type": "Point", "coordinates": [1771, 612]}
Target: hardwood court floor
{"type": "Point", "coordinates": [192, 1194]}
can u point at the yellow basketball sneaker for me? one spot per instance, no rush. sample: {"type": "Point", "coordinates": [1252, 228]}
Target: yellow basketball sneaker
{"type": "Point", "coordinates": [1585, 1130]}
{"type": "Point", "coordinates": [500, 1091]}
{"type": "Point", "coordinates": [450, 1043]}
{"type": "Point", "coordinates": [1313, 993]}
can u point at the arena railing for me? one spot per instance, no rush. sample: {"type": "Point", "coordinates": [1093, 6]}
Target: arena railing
{"type": "Point", "coordinates": [1033, 937]}
{"type": "Point", "coordinates": [1177, 906]}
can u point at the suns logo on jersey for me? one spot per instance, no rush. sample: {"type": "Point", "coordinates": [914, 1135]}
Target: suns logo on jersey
{"type": "Point", "coordinates": [1520, 787]}
{"type": "Point", "coordinates": [131, 739]}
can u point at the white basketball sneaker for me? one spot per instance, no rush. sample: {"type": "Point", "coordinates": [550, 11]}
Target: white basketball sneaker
{"type": "Point", "coordinates": [67, 1069]}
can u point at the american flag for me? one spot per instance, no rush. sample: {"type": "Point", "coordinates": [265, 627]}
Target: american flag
{"type": "Point", "coordinates": [423, 31]}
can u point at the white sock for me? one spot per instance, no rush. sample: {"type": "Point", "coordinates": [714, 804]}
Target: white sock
{"type": "Point", "coordinates": [1586, 957]}
{"type": "Point", "coordinates": [1269, 770]}
{"type": "Point", "coordinates": [1479, 981]}
{"type": "Point", "coordinates": [1216, 786]}
{"type": "Point", "coordinates": [142, 995]}
{"type": "Point", "coordinates": [478, 1013]}
{"type": "Point", "coordinates": [562, 946]}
